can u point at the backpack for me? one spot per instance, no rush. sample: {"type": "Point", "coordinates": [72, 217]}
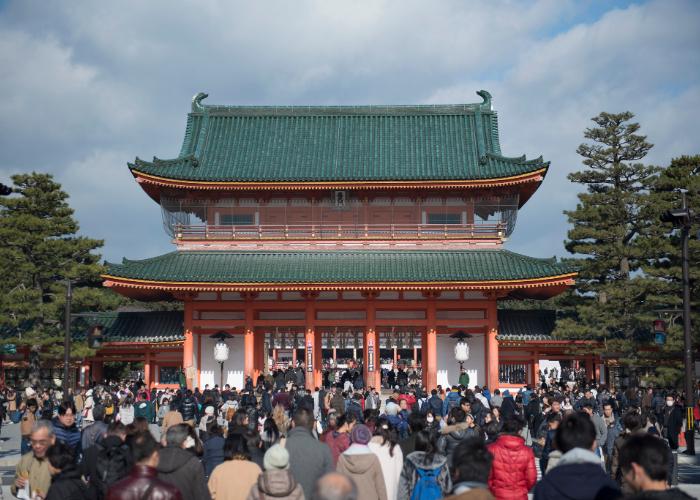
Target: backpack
{"type": "Point", "coordinates": [427, 486]}
{"type": "Point", "coordinates": [113, 464]}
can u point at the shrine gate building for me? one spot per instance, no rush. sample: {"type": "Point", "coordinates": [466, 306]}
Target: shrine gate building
{"type": "Point", "coordinates": [322, 234]}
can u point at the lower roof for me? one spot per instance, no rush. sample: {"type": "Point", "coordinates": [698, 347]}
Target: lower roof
{"type": "Point", "coordinates": [207, 270]}
{"type": "Point", "coordinates": [167, 326]}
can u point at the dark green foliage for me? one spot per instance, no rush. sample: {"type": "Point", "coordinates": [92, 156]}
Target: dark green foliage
{"type": "Point", "coordinates": [629, 261]}
{"type": "Point", "coordinates": [40, 251]}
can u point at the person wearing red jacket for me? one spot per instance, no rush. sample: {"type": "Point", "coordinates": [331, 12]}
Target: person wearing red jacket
{"type": "Point", "coordinates": [513, 473]}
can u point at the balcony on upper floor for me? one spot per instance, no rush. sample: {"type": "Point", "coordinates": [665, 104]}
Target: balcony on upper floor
{"type": "Point", "coordinates": [340, 216]}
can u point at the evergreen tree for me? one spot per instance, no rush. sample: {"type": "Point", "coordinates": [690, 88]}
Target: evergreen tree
{"type": "Point", "coordinates": [40, 251]}
{"type": "Point", "coordinates": [662, 246]}
{"type": "Point", "coordinates": [609, 301]}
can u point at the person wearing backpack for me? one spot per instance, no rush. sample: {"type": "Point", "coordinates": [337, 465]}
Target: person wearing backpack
{"type": "Point", "coordinates": [107, 462]}
{"type": "Point", "coordinates": [425, 475]}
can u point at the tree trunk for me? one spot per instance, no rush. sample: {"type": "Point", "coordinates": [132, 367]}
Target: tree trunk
{"type": "Point", "coordinates": [34, 376]}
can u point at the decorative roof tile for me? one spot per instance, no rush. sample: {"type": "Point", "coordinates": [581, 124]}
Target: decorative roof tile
{"type": "Point", "coordinates": [340, 143]}
{"type": "Point", "coordinates": [368, 266]}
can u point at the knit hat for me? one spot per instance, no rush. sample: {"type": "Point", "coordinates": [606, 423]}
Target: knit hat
{"type": "Point", "coordinates": [277, 457]}
{"type": "Point", "coordinates": [30, 392]}
{"type": "Point", "coordinates": [392, 409]}
{"type": "Point", "coordinates": [209, 410]}
{"type": "Point", "coordinates": [360, 434]}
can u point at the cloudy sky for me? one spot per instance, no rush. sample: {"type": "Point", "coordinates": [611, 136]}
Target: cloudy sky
{"type": "Point", "coordinates": [87, 86]}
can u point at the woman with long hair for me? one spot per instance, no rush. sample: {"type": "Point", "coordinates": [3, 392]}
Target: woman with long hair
{"type": "Point", "coordinates": [126, 411]}
{"type": "Point", "coordinates": [422, 468]}
{"type": "Point", "coordinates": [384, 444]}
{"type": "Point", "coordinates": [270, 434]}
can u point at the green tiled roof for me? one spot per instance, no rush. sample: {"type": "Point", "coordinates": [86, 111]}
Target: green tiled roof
{"type": "Point", "coordinates": [340, 143]}
{"type": "Point", "coordinates": [137, 327]}
{"type": "Point", "coordinates": [337, 266]}
{"type": "Point", "coordinates": [525, 325]}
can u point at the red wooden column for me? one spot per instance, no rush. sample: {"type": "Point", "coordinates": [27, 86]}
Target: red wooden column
{"type": "Point", "coordinates": [429, 346]}
{"type": "Point", "coordinates": [188, 347]}
{"type": "Point", "coordinates": [147, 374]}
{"type": "Point", "coordinates": [535, 369]}
{"type": "Point", "coordinates": [372, 366]}
{"type": "Point", "coordinates": [249, 341]}
{"type": "Point", "coordinates": [492, 344]}
{"type": "Point", "coordinates": [312, 344]}
{"type": "Point", "coordinates": [260, 354]}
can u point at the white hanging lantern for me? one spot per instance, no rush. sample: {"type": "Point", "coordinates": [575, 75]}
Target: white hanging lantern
{"type": "Point", "coordinates": [462, 351]}
{"type": "Point", "coordinates": [221, 351]}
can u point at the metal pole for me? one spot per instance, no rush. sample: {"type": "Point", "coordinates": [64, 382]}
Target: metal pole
{"type": "Point", "coordinates": [66, 340]}
{"type": "Point", "coordinates": [689, 365]}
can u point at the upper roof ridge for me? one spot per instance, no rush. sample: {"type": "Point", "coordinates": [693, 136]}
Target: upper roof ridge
{"type": "Point", "coordinates": [336, 110]}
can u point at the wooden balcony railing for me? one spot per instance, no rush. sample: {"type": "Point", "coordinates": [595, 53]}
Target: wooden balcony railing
{"type": "Point", "coordinates": [341, 231]}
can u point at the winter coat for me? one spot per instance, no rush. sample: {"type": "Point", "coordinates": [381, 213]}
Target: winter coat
{"type": "Point", "coordinates": [360, 464]}
{"type": "Point", "coordinates": [452, 435]}
{"type": "Point", "coordinates": [451, 400]}
{"type": "Point", "coordinates": [338, 442]}
{"type": "Point", "coordinates": [189, 409]}
{"type": "Point", "coordinates": [70, 436]}
{"type": "Point", "coordinates": [126, 414]}
{"type": "Point", "coordinates": [508, 408]}
{"type": "Point", "coordinates": [578, 475]}
{"type": "Point", "coordinates": [233, 480]}
{"type": "Point", "coordinates": [309, 459]}
{"type": "Point", "coordinates": [513, 472]}
{"type": "Point", "coordinates": [338, 403]}
{"type": "Point", "coordinates": [68, 485]}
{"type": "Point", "coordinates": [138, 482]}
{"type": "Point", "coordinates": [144, 409]}
{"type": "Point", "coordinates": [471, 491]}
{"type": "Point", "coordinates": [390, 462]}
{"type": "Point", "coordinates": [184, 471]}
{"type": "Point", "coordinates": [277, 484]}
{"type": "Point", "coordinates": [91, 434]}
{"type": "Point", "coordinates": [173, 417]}
{"type": "Point", "coordinates": [213, 453]}
{"type": "Point", "coordinates": [409, 474]}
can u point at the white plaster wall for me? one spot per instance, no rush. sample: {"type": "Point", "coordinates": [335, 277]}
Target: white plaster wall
{"type": "Point", "coordinates": [233, 368]}
{"type": "Point", "coordinates": [448, 368]}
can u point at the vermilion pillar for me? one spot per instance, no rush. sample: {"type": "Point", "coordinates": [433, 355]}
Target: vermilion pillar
{"type": "Point", "coordinates": [188, 347]}
{"type": "Point", "coordinates": [147, 374]}
{"type": "Point", "coordinates": [372, 367]}
{"type": "Point", "coordinates": [429, 344]}
{"type": "Point", "coordinates": [97, 367]}
{"type": "Point", "coordinates": [259, 354]}
{"type": "Point", "coordinates": [312, 346]}
{"type": "Point", "coordinates": [248, 342]}
{"type": "Point", "coordinates": [492, 345]}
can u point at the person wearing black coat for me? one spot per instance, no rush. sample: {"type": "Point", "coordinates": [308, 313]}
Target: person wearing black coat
{"type": "Point", "coordinates": [672, 421]}
{"type": "Point", "coordinates": [66, 481]}
{"type": "Point", "coordinates": [213, 450]}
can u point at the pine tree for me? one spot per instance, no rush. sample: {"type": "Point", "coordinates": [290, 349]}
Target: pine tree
{"type": "Point", "coordinates": [40, 251]}
{"type": "Point", "coordinates": [662, 246]}
{"type": "Point", "coordinates": [608, 303]}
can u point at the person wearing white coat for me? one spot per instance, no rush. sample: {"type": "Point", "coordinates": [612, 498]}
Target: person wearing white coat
{"type": "Point", "coordinates": [384, 446]}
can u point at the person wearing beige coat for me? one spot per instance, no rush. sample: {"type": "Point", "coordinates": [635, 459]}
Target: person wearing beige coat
{"type": "Point", "coordinates": [362, 466]}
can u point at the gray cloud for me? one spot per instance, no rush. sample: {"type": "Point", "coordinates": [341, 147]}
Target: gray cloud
{"type": "Point", "coordinates": [95, 84]}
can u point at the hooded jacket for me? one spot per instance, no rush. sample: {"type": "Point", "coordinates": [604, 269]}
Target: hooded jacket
{"type": "Point", "coordinates": [577, 475]}
{"type": "Point", "coordinates": [417, 460]}
{"type": "Point", "coordinates": [277, 484]}
{"type": "Point", "coordinates": [68, 485]}
{"type": "Point", "coordinates": [183, 470]}
{"type": "Point", "coordinates": [513, 472]}
{"type": "Point", "coordinates": [359, 463]}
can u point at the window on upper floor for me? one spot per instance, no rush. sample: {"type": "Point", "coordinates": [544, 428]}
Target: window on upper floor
{"type": "Point", "coordinates": [236, 219]}
{"type": "Point", "coordinates": [444, 218]}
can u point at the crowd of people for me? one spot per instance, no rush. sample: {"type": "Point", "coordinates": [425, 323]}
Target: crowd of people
{"type": "Point", "coordinates": [275, 439]}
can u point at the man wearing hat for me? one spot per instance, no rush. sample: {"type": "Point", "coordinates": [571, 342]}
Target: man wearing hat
{"type": "Point", "coordinates": [359, 463]}
{"type": "Point", "coordinates": [276, 480]}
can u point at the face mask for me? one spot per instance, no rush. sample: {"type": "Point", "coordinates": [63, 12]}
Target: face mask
{"type": "Point", "coordinates": [669, 403]}
{"type": "Point", "coordinates": [430, 420]}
